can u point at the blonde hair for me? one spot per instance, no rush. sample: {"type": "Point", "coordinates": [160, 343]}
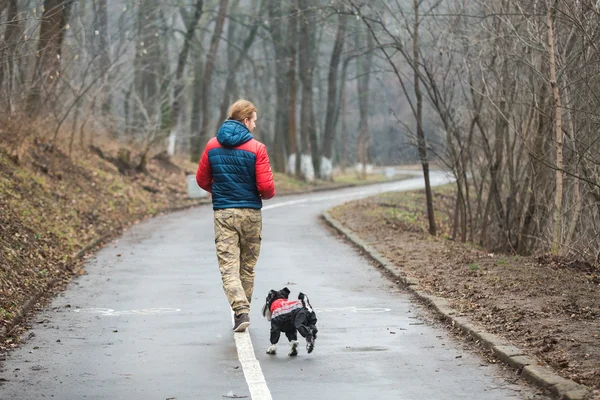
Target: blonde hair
{"type": "Point", "coordinates": [241, 109]}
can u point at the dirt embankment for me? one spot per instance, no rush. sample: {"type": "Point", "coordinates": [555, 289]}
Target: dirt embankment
{"type": "Point", "coordinates": [50, 210]}
{"type": "Point", "coordinates": [548, 306]}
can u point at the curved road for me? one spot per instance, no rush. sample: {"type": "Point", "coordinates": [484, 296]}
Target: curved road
{"type": "Point", "coordinates": [149, 320]}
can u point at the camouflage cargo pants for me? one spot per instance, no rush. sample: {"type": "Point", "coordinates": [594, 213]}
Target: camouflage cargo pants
{"type": "Point", "coordinates": [237, 238]}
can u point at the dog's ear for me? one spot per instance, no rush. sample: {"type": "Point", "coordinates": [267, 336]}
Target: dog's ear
{"type": "Point", "coordinates": [285, 292]}
{"type": "Point", "coordinates": [270, 297]}
{"type": "Point", "coordinates": [266, 311]}
{"type": "Point", "coordinates": [266, 308]}
{"type": "Point", "coordinates": [272, 294]}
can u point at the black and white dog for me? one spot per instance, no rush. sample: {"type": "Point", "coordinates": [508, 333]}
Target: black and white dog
{"type": "Point", "coordinates": [289, 317]}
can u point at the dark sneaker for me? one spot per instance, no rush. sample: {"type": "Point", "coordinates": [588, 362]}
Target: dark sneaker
{"type": "Point", "coordinates": [293, 348]}
{"type": "Point", "coordinates": [310, 343]}
{"type": "Point", "coordinates": [241, 322]}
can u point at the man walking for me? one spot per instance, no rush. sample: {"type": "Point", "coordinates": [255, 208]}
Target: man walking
{"type": "Point", "coordinates": [235, 169]}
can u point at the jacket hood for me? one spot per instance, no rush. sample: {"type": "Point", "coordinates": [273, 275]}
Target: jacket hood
{"type": "Point", "coordinates": [233, 133]}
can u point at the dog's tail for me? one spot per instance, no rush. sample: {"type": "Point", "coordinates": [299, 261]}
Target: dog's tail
{"type": "Point", "coordinates": [305, 302]}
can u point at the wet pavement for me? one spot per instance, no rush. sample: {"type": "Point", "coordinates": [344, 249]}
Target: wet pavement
{"type": "Point", "coordinates": [149, 320]}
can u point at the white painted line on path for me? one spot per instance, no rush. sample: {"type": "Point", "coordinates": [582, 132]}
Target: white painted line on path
{"type": "Point", "coordinates": [111, 312]}
{"type": "Point", "coordinates": [251, 367]}
{"type": "Point", "coordinates": [315, 199]}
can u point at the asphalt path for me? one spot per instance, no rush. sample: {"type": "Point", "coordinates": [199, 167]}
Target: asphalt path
{"type": "Point", "coordinates": [149, 320]}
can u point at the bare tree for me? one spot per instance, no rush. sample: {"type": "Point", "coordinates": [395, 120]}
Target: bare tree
{"type": "Point", "coordinates": [200, 138]}
{"type": "Point", "coordinates": [52, 32]}
{"type": "Point", "coordinates": [293, 147]}
{"type": "Point", "coordinates": [558, 197]}
{"type": "Point", "coordinates": [332, 96]}
{"type": "Point", "coordinates": [102, 43]}
{"type": "Point", "coordinates": [306, 58]}
{"type": "Point", "coordinates": [363, 67]}
{"type": "Point", "coordinates": [413, 60]}
{"type": "Point", "coordinates": [235, 65]}
{"type": "Point", "coordinates": [175, 110]}
{"type": "Point", "coordinates": [7, 54]}
{"type": "Point", "coordinates": [419, 116]}
{"type": "Point", "coordinates": [276, 27]}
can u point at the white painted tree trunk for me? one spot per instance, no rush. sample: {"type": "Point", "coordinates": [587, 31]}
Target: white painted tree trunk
{"type": "Point", "coordinates": [326, 168]}
{"type": "Point", "coordinates": [171, 144]}
{"type": "Point", "coordinates": [307, 169]}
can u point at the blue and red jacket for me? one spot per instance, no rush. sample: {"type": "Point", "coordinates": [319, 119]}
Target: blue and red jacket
{"type": "Point", "coordinates": [235, 168]}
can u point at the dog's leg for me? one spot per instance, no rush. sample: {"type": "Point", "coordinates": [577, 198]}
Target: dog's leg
{"type": "Point", "coordinates": [304, 321]}
{"type": "Point", "coordinates": [272, 350]}
{"type": "Point", "coordinates": [293, 338]}
{"type": "Point", "coordinates": [275, 332]}
{"type": "Point", "coordinates": [310, 343]}
{"type": "Point", "coordinates": [310, 338]}
{"type": "Point", "coordinates": [293, 348]}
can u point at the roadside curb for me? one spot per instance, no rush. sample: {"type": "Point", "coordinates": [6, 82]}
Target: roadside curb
{"type": "Point", "coordinates": [564, 389]}
{"type": "Point", "coordinates": [22, 312]}
{"type": "Point", "coordinates": [30, 303]}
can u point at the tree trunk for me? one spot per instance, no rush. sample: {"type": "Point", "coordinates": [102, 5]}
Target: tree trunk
{"type": "Point", "coordinates": [292, 50]}
{"type": "Point", "coordinates": [420, 134]}
{"type": "Point", "coordinates": [332, 95]}
{"type": "Point", "coordinates": [343, 77]}
{"type": "Point", "coordinates": [195, 139]}
{"type": "Point", "coordinates": [103, 48]}
{"type": "Point", "coordinates": [206, 81]}
{"type": "Point", "coordinates": [73, 131]}
{"type": "Point", "coordinates": [311, 50]}
{"type": "Point", "coordinates": [173, 118]}
{"type": "Point", "coordinates": [578, 200]}
{"type": "Point", "coordinates": [126, 111]}
{"type": "Point", "coordinates": [558, 198]}
{"type": "Point", "coordinates": [281, 134]}
{"type": "Point", "coordinates": [496, 166]}
{"type": "Point", "coordinates": [4, 43]}
{"type": "Point", "coordinates": [306, 67]}
{"type": "Point", "coordinates": [344, 136]}
{"type": "Point", "coordinates": [47, 70]}
{"type": "Point", "coordinates": [235, 66]}
{"type": "Point", "coordinates": [363, 67]}
{"type": "Point", "coordinates": [147, 71]}
{"type": "Point", "coordinates": [11, 35]}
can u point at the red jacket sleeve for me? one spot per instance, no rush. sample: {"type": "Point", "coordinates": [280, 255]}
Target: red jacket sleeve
{"type": "Point", "coordinates": [204, 176]}
{"type": "Point", "coordinates": [264, 175]}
